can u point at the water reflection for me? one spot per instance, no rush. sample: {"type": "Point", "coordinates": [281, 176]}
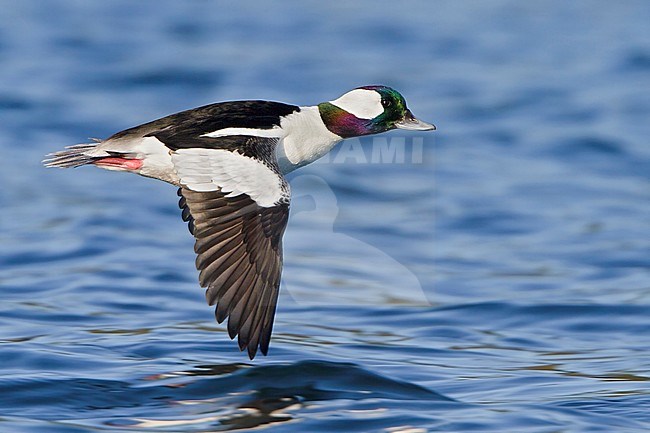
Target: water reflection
{"type": "Point", "coordinates": [226, 397]}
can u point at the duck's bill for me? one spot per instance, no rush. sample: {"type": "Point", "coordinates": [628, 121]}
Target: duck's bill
{"type": "Point", "coordinates": [410, 123]}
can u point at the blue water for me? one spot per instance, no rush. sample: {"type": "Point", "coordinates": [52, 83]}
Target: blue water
{"type": "Point", "coordinates": [496, 281]}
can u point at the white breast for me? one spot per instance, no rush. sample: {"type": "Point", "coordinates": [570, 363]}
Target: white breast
{"type": "Point", "coordinates": [305, 139]}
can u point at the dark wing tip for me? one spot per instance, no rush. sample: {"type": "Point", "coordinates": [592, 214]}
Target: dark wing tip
{"type": "Point", "coordinates": [252, 351]}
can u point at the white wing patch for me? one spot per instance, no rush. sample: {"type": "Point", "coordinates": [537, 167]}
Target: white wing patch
{"type": "Point", "coordinates": [362, 103]}
{"type": "Point", "coordinates": [273, 132]}
{"type": "Point", "coordinates": [213, 169]}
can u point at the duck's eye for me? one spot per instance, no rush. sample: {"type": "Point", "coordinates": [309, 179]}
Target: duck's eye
{"type": "Point", "coordinates": [386, 103]}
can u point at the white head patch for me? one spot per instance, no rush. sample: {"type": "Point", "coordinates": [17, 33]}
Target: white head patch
{"type": "Point", "coordinates": [362, 103]}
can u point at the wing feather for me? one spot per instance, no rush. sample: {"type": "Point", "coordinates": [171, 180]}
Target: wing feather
{"type": "Point", "coordinates": [236, 203]}
{"type": "Point", "coordinates": [239, 258]}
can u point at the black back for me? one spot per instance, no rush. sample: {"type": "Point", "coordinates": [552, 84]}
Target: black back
{"type": "Point", "coordinates": [184, 129]}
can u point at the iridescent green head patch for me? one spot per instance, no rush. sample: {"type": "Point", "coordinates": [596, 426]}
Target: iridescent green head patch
{"type": "Point", "coordinates": [386, 104]}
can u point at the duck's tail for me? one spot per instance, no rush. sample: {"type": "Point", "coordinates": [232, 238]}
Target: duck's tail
{"type": "Point", "coordinates": [72, 156]}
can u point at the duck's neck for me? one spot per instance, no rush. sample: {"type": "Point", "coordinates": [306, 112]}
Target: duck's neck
{"type": "Point", "coordinates": [306, 138]}
{"type": "Point", "coordinates": [344, 123]}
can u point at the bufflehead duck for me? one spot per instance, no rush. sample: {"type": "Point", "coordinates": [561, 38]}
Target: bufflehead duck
{"type": "Point", "coordinates": [229, 160]}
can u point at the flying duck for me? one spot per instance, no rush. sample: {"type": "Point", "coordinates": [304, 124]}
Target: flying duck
{"type": "Point", "coordinates": [228, 161]}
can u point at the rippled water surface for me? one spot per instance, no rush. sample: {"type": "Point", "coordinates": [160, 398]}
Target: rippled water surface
{"type": "Point", "coordinates": [498, 279]}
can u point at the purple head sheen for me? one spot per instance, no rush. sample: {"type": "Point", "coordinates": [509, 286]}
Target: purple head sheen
{"type": "Point", "coordinates": [342, 123]}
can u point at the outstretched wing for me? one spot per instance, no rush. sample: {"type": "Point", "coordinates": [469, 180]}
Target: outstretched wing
{"type": "Point", "coordinates": [237, 208]}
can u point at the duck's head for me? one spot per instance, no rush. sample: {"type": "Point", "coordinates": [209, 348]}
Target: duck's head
{"type": "Point", "coordinates": [369, 110]}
